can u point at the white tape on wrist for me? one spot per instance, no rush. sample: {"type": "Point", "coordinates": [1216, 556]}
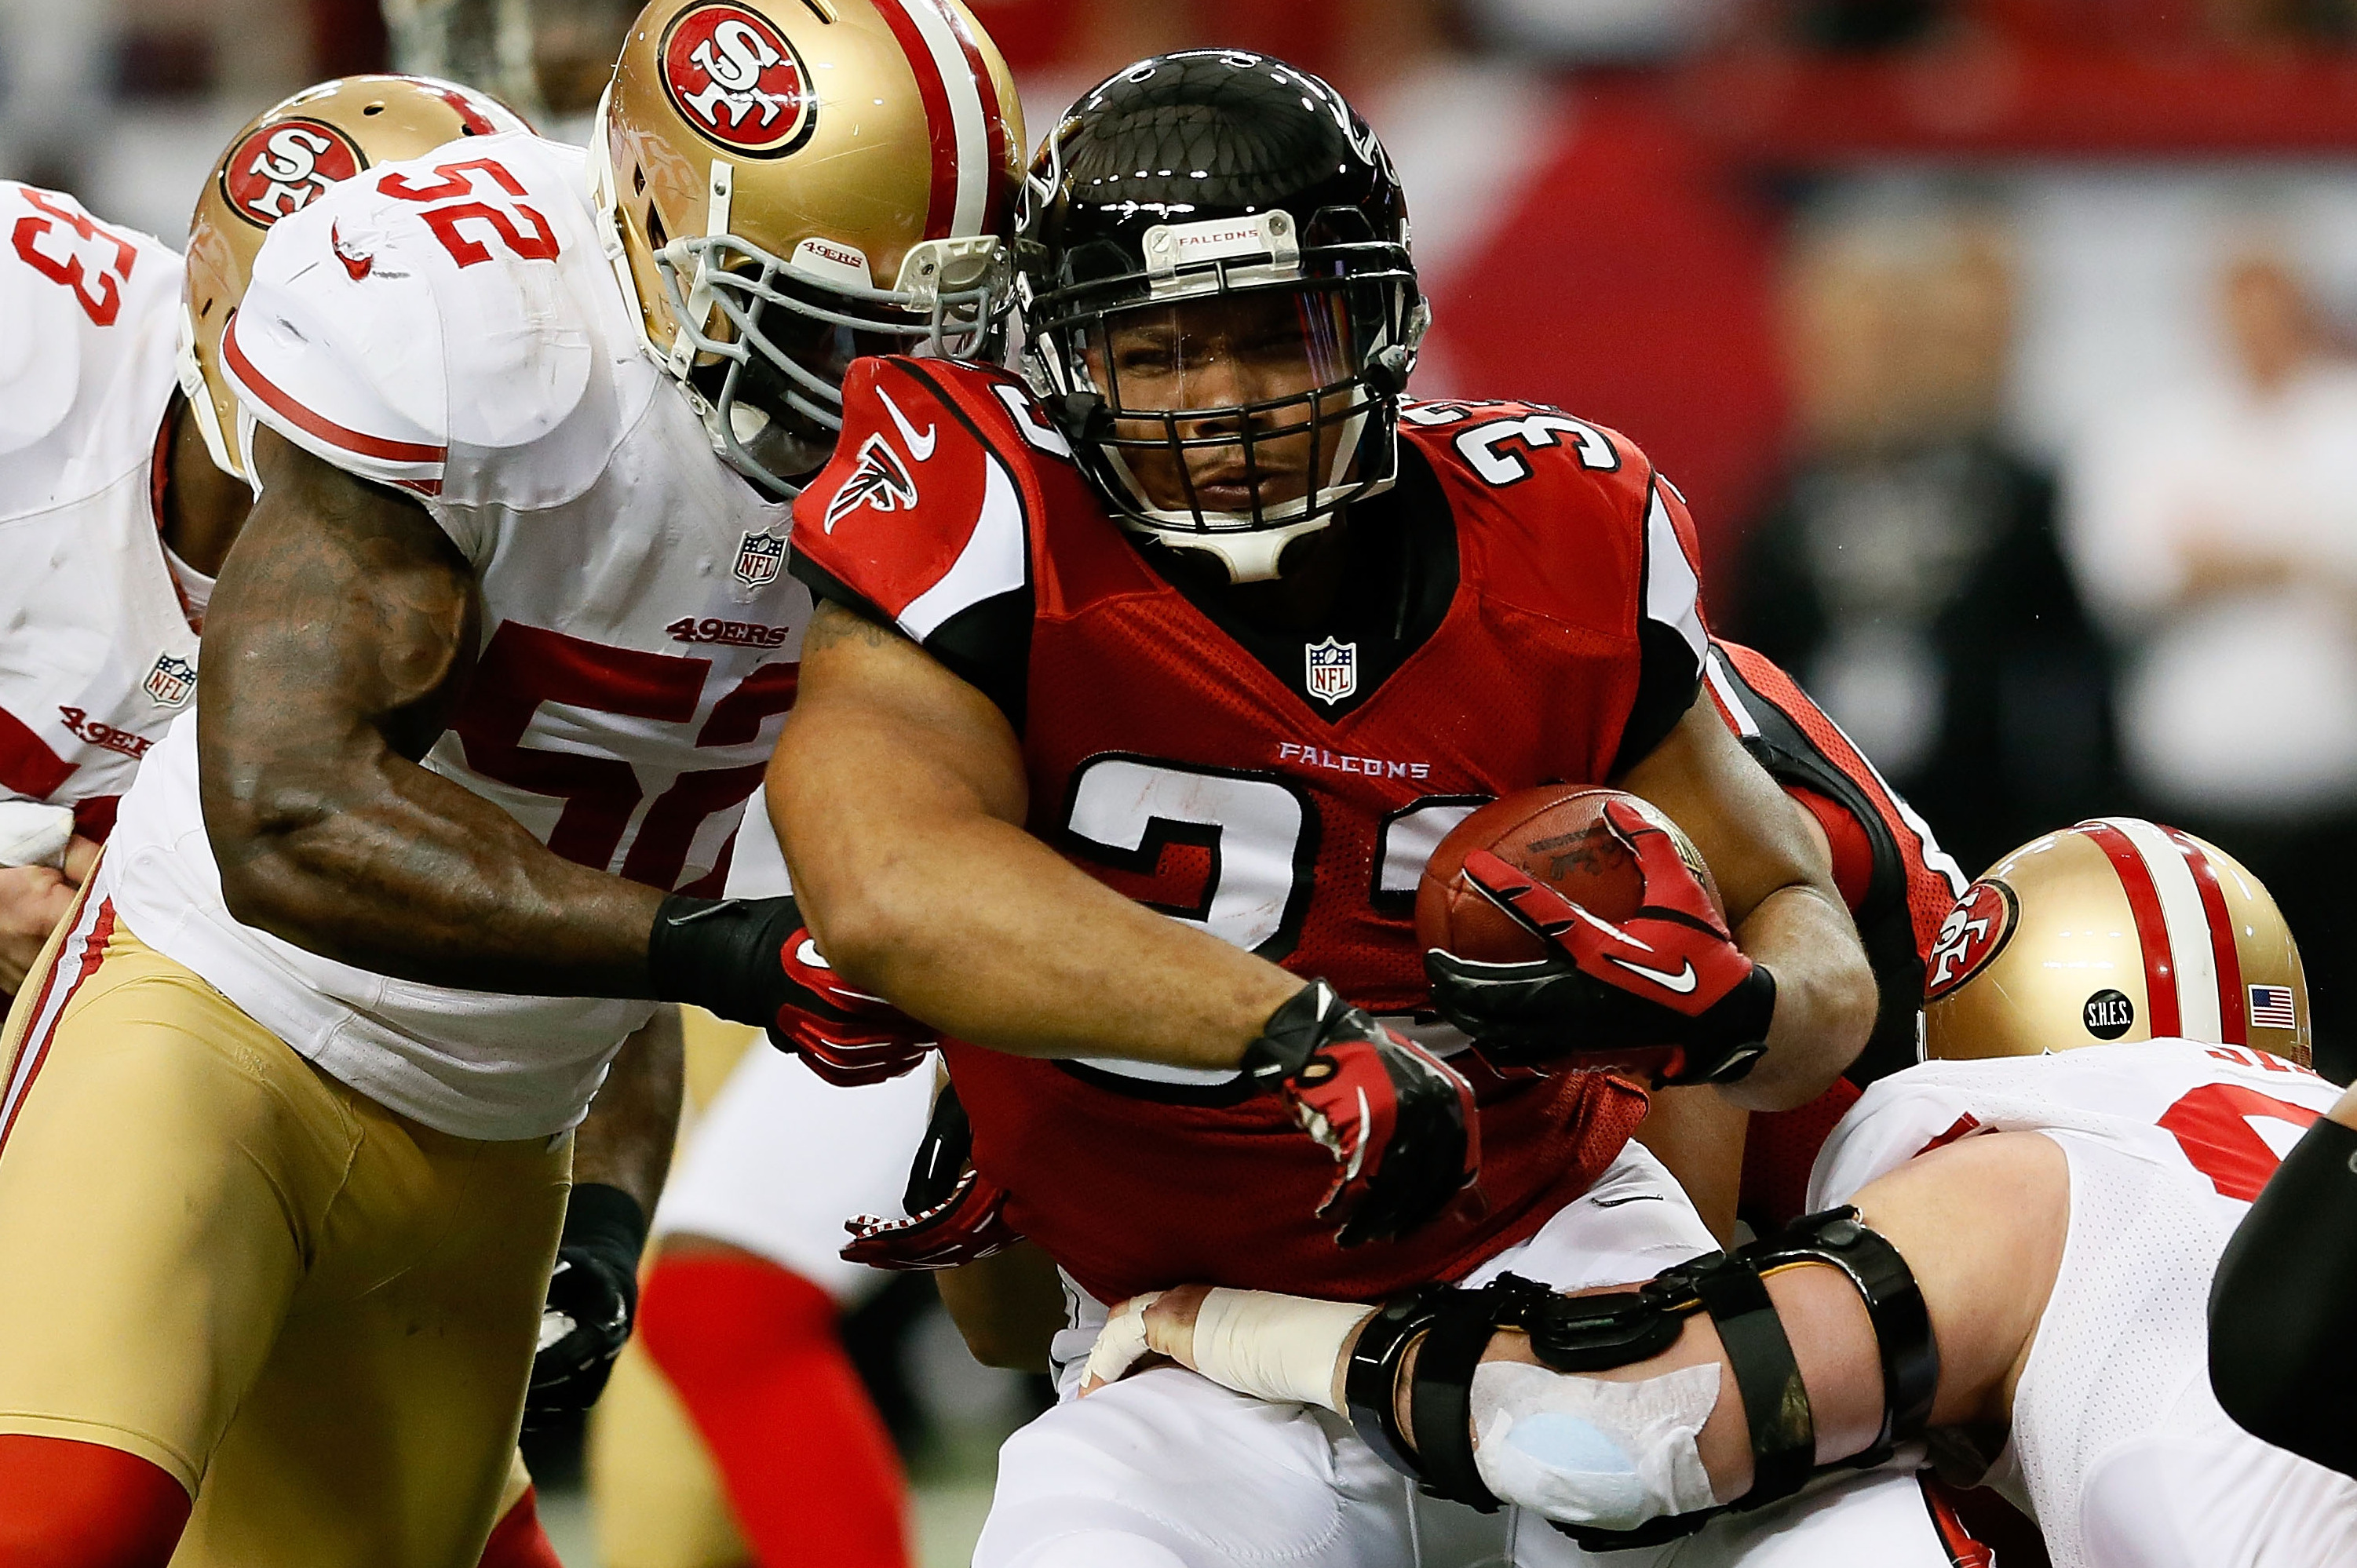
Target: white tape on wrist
{"type": "Point", "coordinates": [1583, 1451]}
{"type": "Point", "coordinates": [1121, 1343]}
{"type": "Point", "coordinates": [33, 832]}
{"type": "Point", "coordinates": [1273, 1346]}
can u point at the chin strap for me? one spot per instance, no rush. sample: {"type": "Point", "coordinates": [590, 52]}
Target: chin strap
{"type": "Point", "coordinates": [1596, 1333]}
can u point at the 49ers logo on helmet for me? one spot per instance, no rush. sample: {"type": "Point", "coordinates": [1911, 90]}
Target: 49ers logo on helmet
{"type": "Point", "coordinates": [1973, 933]}
{"type": "Point", "coordinates": [735, 77]}
{"type": "Point", "coordinates": [278, 168]}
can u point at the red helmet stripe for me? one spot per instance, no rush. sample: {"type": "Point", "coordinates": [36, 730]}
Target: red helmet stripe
{"type": "Point", "coordinates": [941, 209]}
{"type": "Point", "coordinates": [2152, 927]}
{"type": "Point", "coordinates": [996, 188]}
{"type": "Point", "coordinates": [2233, 1020]}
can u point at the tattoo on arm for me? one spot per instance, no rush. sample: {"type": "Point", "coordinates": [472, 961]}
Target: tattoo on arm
{"type": "Point", "coordinates": [836, 623]}
{"type": "Point", "coordinates": [340, 644]}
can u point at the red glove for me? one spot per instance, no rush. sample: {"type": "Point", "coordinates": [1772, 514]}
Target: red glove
{"type": "Point", "coordinates": [969, 1225]}
{"type": "Point", "coordinates": [1399, 1121]}
{"type": "Point", "coordinates": [846, 1037]}
{"type": "Point", "coordinates": [956, 1214]}
{"type": "Point", "coordinates": [1666, 989]}
{"type": "Point", "coordinates": [752, 961]}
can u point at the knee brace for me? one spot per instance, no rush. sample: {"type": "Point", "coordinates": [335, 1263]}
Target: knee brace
{"type": "Point", "coordinates": [1596, 1333]}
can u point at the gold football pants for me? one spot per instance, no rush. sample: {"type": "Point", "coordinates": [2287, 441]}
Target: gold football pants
{"type": "Point", "coordinates": [316, 1315]}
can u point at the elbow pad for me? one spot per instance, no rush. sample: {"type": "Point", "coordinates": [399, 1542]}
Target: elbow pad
{"type": "Point", "coordinates": [2280, 1308]}
{"type": "Point", "coordinates": [1596, 1333]}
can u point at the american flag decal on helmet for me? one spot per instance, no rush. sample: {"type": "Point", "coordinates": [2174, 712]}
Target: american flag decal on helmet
{"type": "Point", "coordinates": [2271, 1007]}
{"type": "Point", "coordinates": [880, 479]}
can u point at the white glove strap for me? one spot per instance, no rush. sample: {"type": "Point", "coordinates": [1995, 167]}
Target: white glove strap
{"type": "Point", "coordinates": [33, 832]}
{"type": "Point", "coordinates": [1121, 1343]}
{"type": "Point", "coordinates": [1280, 1348]}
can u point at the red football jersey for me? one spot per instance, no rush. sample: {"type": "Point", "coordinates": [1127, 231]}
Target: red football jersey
{"type": "Point", "coordinates": [1283, 795]}
{"type": "Point", "coordinates": [1898, 881]}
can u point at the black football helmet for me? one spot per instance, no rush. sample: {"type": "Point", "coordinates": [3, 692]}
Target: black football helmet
{"type": "Point", "coordinates": [1209, 173]}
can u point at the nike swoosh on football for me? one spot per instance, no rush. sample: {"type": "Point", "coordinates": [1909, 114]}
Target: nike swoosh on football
{"type": "Point", "coordinates": [920, 448]}
{"type": "Point", "coordinates": [1685, 980]}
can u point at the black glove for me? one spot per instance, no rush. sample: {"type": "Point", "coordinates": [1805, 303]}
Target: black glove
{"type": "Point", "coordinates": [1398, 1121]}
{"type": "Point", "coordinates": [752, 961]}
{"type": "Point", "coordinates": [593, 1296]}
{"type": "Point", "coordinates": [1665, 991]}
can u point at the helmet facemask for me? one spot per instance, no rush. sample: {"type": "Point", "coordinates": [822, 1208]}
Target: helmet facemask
{"type": "Point", "coordinates": [1241, 388]}
{"type": "Point", "coordinates": [760, 343]}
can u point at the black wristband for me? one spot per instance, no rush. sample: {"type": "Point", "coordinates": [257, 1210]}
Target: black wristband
{"type": "Point", "coordinates": [608, 1224]}
{"type": "Point", "coordinates": [1296, 1029]}
{"type": "Point", "coordinates": [2281, 1303]}
{"type": "Point", "coordinates": [719, 953]}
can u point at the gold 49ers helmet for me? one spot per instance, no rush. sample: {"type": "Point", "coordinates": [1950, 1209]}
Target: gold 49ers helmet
{"type": "Point", "coordinates": [290, 153]}
{"type": "Point", "coordinates": [2114, 929]}
{"type": "Point", "coordinates": [795, 182]}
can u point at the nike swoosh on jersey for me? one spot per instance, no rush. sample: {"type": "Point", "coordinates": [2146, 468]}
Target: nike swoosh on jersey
{"type": "Point", "coordinates": [808, 953]}
{"type": "Point", "coordinates": [1685, 980]}
{"type": "Point", "coordinates": [920, 448]}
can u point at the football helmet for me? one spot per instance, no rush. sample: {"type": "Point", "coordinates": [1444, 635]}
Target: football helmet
{"type": "Point", "coordinates": [1216, 173]}
{"type": "Point", "coordinates": [2114, 929]}
{"type": "Point", "coordinates": [791, 184]}
{"type": "Point", "coordinates": [287, 155]}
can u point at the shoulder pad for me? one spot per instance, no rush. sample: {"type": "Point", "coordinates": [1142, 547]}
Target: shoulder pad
{"type": "Point", "coordinates": [76, 296]}
{"type": "Point", "coordinates": [1542, 465]}
{"type": "Point", "coordinates": [921, 511]}
{"type": "Point", "coordinates": [418, 309]}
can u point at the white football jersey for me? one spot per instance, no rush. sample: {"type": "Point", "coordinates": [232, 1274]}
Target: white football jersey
{"type": "Point", "coordinates": [97, 655]}
{"type": "Point", "coordinates": [2118, 1445]}
{"type": "Point", "coordinates": [451, 326]}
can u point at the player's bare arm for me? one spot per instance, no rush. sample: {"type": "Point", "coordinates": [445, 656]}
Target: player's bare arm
{"type": "Point", "coordinates": [621, 1152]}
{"type": "Point", "coordinates": [1777, 880]}
{"type": "Point", "coordinates": [1980, 1224]}
{"type": "Point", "coordinates": [896, 782]}
{"type": "Point", "coordinates": [338, 646]}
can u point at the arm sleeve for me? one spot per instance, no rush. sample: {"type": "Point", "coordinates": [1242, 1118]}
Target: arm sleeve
{"type": "Point", "coordinates": [1670, 639]}
{"type": "Point", "coordinates": [2280, 1305]}
{"type": "Point", "coordinates": [921, 522]}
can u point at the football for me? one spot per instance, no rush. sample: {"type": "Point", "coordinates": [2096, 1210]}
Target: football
{"type": "Point", "coordinates": [1555, 832]}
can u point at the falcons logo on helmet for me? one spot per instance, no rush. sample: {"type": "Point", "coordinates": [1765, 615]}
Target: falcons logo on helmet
{"type": "Point", "coordinates": [880, 480]}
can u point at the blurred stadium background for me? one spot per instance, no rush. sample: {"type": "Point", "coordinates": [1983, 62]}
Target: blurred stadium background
{"type": "Point", "coordinates": [2003, 347]}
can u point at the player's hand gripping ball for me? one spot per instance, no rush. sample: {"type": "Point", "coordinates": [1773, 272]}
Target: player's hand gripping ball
{"type": "Point", "coordinates": [1398, 1121]}
{"type": "Point", "coordinates": [1577, 927]}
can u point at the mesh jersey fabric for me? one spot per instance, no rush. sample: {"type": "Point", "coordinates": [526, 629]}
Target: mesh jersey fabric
{"type": "Point", "coordinates": [1177, 767]}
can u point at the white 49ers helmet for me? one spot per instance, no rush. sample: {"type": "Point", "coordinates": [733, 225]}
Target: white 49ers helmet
{"type": "Point", "coordinates": [287, 155]}
{"type": "Point", "coordinates": [795, 182]}
{"type": "Point", "coordinates": [2114, 929]}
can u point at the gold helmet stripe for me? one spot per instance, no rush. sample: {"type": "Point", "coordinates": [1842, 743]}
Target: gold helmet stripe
{"type": "Point", "coordinates": [966, 131]}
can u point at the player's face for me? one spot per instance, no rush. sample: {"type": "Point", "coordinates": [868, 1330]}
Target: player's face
{"type": "Point", "coordinates": [790, 443]}
{"type": "Point", "coordinates": [1241, 379]}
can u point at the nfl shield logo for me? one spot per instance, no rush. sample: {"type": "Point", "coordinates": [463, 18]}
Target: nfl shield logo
{"type": "Point", "coordinates": [171, 680]}
{"type": "Point", "coordinates": [1333, 670]}
{"type": "Point", "coordinates": [759, 557]}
